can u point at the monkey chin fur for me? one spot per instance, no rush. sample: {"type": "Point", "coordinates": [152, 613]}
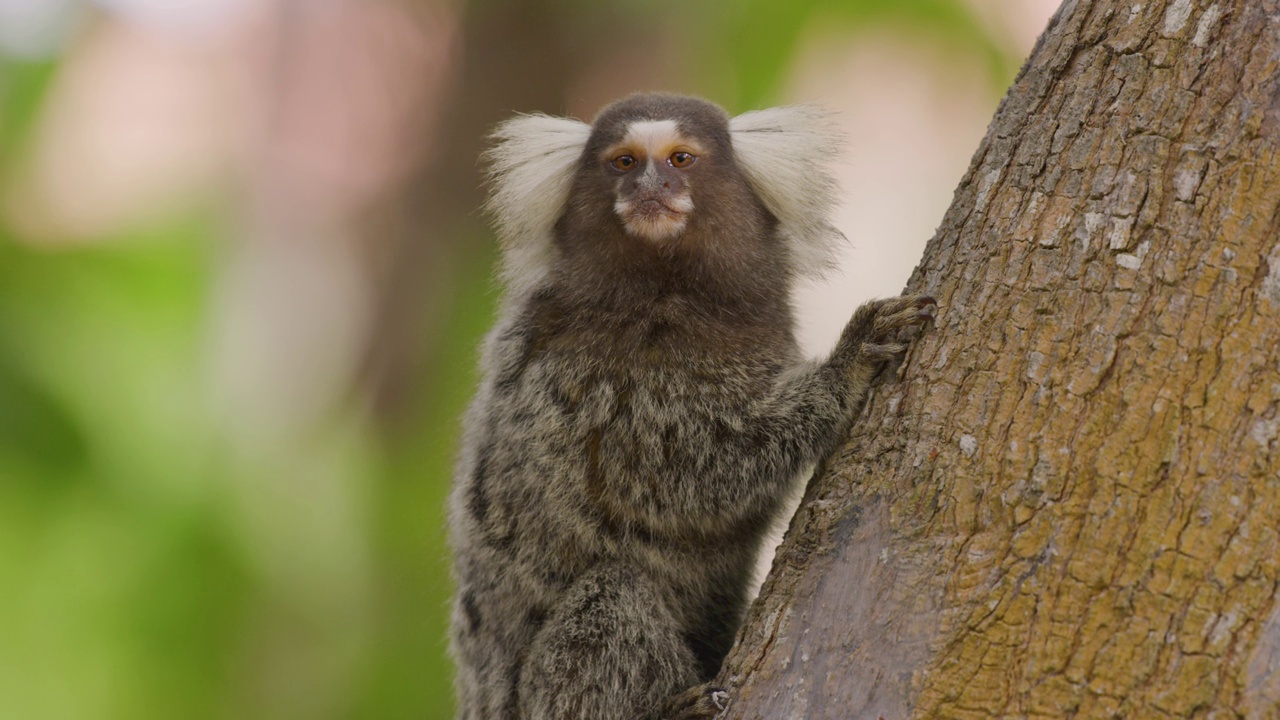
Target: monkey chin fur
{"type": "Point", "coordinates": [653, 220]}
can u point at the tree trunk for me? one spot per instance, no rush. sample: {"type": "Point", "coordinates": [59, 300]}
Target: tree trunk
{"type": "Point", "coordinates": [1068, 503]}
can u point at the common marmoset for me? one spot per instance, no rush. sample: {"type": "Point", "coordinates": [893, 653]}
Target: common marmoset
{"type": "Point", "coordinates": [644, 408]}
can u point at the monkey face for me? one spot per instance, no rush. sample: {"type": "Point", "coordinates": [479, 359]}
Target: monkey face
{"type": "Point", "coordinates": [657, 194]}
{"type": "Point", "coordinates": [652, 165]}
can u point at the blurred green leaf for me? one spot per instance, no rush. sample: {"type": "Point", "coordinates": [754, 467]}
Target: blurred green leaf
{"type": "Point", "coordinates": [22, 87]}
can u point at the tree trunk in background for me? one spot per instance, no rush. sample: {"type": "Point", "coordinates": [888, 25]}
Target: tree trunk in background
{"type": "Point", "coordinates": [1068, 505]}
{"type": "Point", "coordinates": [513, 57]}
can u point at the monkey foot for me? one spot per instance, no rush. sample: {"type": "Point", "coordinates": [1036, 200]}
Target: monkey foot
{"type": "Point", "coordinates": [700, 702]}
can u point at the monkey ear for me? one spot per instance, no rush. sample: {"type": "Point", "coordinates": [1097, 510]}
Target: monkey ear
{"type": "Point", "coordinates": [786, 153]}
{"type": "Point", "coordinates": [530, 171]}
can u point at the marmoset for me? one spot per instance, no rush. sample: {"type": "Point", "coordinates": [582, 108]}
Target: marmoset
{"type": "Point", "coordinates": [644, 408]}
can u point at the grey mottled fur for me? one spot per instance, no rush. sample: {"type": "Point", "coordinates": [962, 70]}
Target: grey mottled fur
{"type": "Point", "coordinates": [643, 411]}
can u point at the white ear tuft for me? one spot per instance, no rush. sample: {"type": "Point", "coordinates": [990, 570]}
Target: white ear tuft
{"type": "Point", "coordinates": [786, 153]}
{"type": "Point", "coordinates": [530, 171]}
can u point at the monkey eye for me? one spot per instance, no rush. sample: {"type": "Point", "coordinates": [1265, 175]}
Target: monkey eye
{"type": "Point", "coordinates": [623, 162]}
{"type": "Point", "coordinates": [682, 159]}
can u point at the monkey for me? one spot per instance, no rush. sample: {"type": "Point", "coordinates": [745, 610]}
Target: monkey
{"type": "Point", "coordinates": [644, 408]}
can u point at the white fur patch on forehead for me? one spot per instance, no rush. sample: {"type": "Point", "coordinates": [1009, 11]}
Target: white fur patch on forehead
{"type": "Point", "coordinates": [653, 136]}
{"type": "Point", "coordinates": [786, 154]}
{"type": "Point", "coordinates": [531, 168]}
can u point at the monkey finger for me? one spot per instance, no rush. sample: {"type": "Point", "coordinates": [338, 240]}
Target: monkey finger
{"type": "Point", "coordinates": [885, 325]}
{"type": "Point", "coordinates": [925, 304]}
{"type": "Point", "coordinates": [895, 305]}
{"type": "Point", "coordinates": [884, 351]}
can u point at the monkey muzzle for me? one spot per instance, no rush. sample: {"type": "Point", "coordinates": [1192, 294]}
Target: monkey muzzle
{"type": "Point", "coordinates": [652, 208]}
{"type": "Point", "coordinates": [655, 207]}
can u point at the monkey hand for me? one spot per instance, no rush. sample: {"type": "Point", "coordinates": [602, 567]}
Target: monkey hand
{"type": "Point", "coordinates": [877, 331]}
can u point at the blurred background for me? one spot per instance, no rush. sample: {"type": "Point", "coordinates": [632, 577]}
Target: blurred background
{"type": "Point", "coordinates": [243, 278]}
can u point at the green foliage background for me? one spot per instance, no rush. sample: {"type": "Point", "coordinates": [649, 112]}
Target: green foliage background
{"type": "Point", "coordinates": [131, 583]}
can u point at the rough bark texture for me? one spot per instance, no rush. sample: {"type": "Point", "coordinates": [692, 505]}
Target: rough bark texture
{"type": "Point", "coordinates": [1068, 505]}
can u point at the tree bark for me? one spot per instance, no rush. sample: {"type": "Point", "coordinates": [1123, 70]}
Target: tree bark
{"type": "Point", "coordinates": [1068, 502]}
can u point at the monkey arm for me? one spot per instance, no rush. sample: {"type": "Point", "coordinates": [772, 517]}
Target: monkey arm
{"type": "Point", "coordinates": [723, 466]}
{"type": "Point", "coordinates": [812, 404]}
